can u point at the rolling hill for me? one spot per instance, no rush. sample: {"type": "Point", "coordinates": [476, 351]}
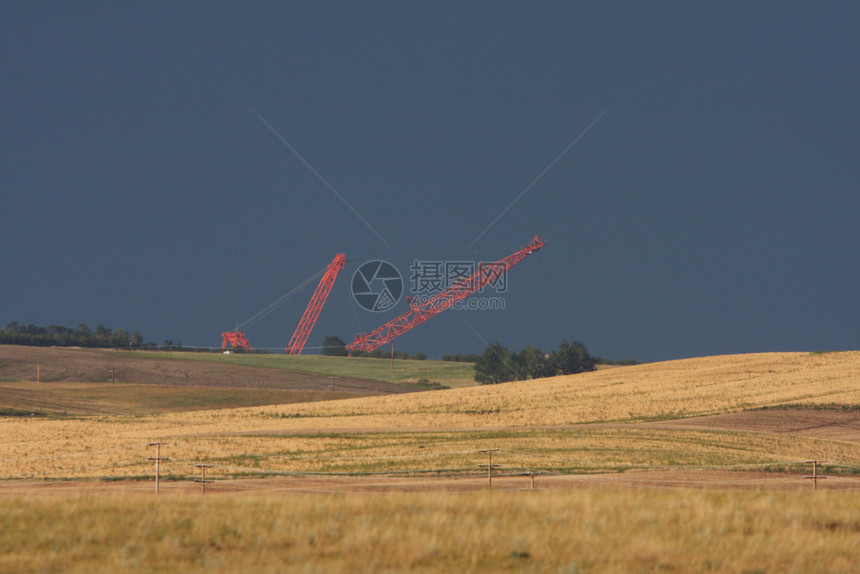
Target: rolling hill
{"type": "Point", "coordinates": [642, 416]}
{"type": "Point", "coordinates": [75, 381]}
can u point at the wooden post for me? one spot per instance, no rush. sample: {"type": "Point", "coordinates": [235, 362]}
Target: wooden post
{"type": "Point", "coordinates": [38, 372]}
{"type": "Point", "coordinates": [203, 482]}
{"type": "Point", "coordinates": [157, 460]}
{"type": "Point", "coordinates": [531, 474]}
{"type": "Point", "coordinates": [490, 465]}
{"type": "Point", "coordinates": [815, 476]}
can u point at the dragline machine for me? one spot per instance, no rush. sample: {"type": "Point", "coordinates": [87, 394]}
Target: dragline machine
{"type": "Point", "coordinates": [486, 274]}
{"type": "Point", "coordinates": [306, 324]}
{"type": "Point", "coordinates": [237, 340]}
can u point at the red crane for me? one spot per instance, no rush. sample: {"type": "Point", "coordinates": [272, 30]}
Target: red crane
{"type": "Point", "coordinates": [306, 324]}
{"type": "Point", "coordinates": [486, 274]}
{"type": "Point", "coordinates": [236, 339]}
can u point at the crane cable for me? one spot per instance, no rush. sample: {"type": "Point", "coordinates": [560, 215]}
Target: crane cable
{"type": "Point", "coordinates": [275, 304]}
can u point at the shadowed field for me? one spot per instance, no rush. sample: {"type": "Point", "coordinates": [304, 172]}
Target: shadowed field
{"type": "Point", "coordinates": [292, 372]}
{"type": "Point", "coordinates": [82, 399]}
{"type": "Point", "coordinates": [75, 382]}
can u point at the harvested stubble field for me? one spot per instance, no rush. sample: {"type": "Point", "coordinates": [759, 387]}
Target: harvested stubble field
{"type": "Point", "coordinates": [610, 420]}
{"type": "Point", "coordinates": [734, 430]}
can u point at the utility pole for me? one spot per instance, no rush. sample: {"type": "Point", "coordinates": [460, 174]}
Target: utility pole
{"type": "Point", "coordinates": [203, 482]}
{"type": "Point", "coordinates": [815, 476]}
{"type": "Point", "coordinates": [157, 460]}
{"type": "Point", "coordinates": [489, 465]}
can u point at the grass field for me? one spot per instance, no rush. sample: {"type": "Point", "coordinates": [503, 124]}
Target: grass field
{"type": "Point", "coordinates": [75, 382]}
{"type": "Point", "coordinates": [274, 467]}
{"type": "Point", "coordinates": [450, 374]}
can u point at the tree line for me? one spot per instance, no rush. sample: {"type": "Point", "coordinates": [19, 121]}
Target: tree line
{"type": "Point", "coordinates": [59, 336]}
{"type": "Point", "coordinates": [499, 365]}
{"type": "Point", "coordinates": [83, 336]}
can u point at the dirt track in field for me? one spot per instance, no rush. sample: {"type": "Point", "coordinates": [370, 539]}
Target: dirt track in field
{"type": "Point", "coordinates": [701, 479]}
{"type": "Point", "coordinates": [831, 424]}
{"type": "Point", "coordinates": [840, 424]}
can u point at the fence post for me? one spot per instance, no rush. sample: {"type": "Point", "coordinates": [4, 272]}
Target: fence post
{"type": "Point", "coordinates": [531, 474]}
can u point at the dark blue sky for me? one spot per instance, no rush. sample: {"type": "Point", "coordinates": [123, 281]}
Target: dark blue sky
{"type": "Point", "coordinates": [712, 208]}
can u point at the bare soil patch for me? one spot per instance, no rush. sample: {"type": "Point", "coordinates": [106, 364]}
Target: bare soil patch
{"type": "Point", "coordinates": [835, 423]}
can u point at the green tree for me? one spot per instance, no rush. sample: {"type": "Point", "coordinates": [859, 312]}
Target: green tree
{"type": "Point", "coordinates": [57, 335]}
{"type": "Point", "coordinates": [334, 347]}
{"type": "Point", "coordinates": [531, 363]}
{"type": "Point", "coordinates": [136, 339]}
{"type": "Point", "coordinates": [495, 365]}
{"type": "Point", "coordinates": [570, 358]}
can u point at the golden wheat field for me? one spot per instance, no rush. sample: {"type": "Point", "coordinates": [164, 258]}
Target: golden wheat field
{"type": "Point", "coordinates": [545, 424]}
{"type": "Point", "coordinates": [659, 467]}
